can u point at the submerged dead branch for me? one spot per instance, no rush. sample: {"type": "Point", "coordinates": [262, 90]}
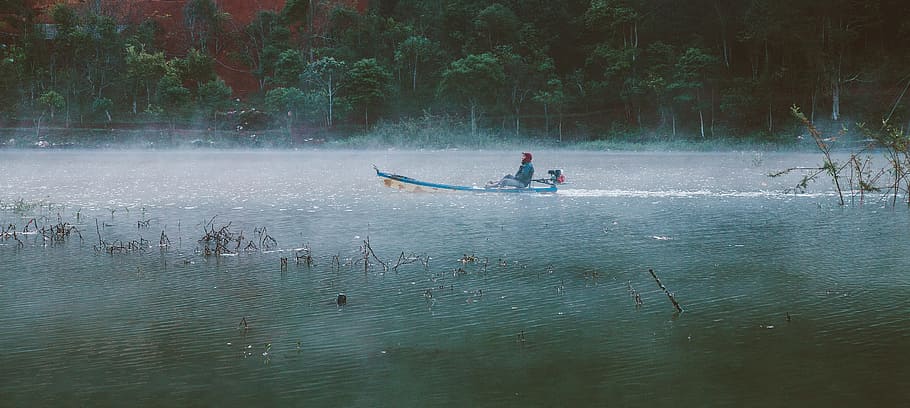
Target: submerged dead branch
{"type": "Point", "coordinates": [304, 256]}
{"type": "Point", "coordinates": [669, 294]}
{"type": "Point", "coordinates": [10, 233]}
{"type": "Point", "coordinates": [366, 252]}
{"type": "Point", "coordinates": [164, 241]}
{"type": "Point", "coordinates": [407, 259]}
{"type": "Point", "coordinates": [221, 241]}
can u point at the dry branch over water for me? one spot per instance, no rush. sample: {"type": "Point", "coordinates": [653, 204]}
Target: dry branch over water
{"type": "Point", "coordinates": [857, 171]}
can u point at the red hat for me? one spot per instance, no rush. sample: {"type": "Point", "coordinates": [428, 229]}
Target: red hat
{"type": "Point", "coordinates": [526, 157]}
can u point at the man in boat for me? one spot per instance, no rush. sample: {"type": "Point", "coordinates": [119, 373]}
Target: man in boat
{"type": "Point", "coordinates": [522, 177]}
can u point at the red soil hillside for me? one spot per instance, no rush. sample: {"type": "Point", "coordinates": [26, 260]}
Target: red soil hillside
{"type": "Point", "coordinates": [169, 13]}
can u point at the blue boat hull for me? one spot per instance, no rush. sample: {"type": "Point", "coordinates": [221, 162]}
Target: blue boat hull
{"type": "Point", "coordinates": [405, 183]}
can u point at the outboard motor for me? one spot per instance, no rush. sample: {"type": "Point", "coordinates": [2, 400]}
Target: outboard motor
{"type": "Point", "coordinates": [556, 176]}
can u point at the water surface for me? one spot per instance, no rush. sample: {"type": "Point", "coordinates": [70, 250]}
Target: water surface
{"type": "Point", "coordinates": [545, 316]}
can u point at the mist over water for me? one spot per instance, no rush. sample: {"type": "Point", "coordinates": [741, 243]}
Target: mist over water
{"type": "Point", "coordinates": [551, 320]}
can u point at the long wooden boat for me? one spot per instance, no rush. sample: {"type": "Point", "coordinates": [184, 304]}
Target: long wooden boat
{"type": "Point", "coordinates": [409, 184]}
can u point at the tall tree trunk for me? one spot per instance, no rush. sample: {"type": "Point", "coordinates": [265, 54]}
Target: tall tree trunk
{"type": "Point", "coordinates": [701, 119]}
{"type": "Point", "coordinates": [546, 120]}
{"type": "Point", "coordinates": [38, 125]}
{"type": "Point", "coordinates": [713, 116]}
{"type": "Point", "coordinates": [517, 122]}
{"type": "Point", "coordinates": [560, 128]}
{"type": "Point", "coordinates": [331, 92]}
{"type": "Point", "coordinates": [814, 102]}
{"type": "Point", "coordinates": [473, 119]}
{"type": "Point", "coordinates": [148, 94]}
{"type": "Point", "coordinates": [770, 118]}
{"type": "Point", "coordinates": [673, 121]}
{"type": "Point", "coordinates": [414, 75]}
{"type": "Point", "coordinates": [835, 99]}
{"type": "Point", "coordinates": [725, 48]}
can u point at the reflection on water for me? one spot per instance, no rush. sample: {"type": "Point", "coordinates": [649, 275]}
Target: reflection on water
{"type": "Point", "coordinates": [789, 300]}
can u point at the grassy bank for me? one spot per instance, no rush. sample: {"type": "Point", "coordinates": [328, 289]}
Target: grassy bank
{"type": "Point", "coordinates": [413, 134]}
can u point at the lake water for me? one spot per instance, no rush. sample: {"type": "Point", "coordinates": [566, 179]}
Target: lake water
{"type": "Point", "coordinates": [789, 300]}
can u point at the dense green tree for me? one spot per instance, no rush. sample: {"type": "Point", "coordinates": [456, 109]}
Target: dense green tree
{"type": "Point", "coordinates": [368, 85]}
{"type": "Point", "coordinates": [51, 101]}
{"type": "Point", "coordinates": [12, 74]}
{"type": "Point", "coordinates": [524, 77]}
{"type": "Point", "coordinates": [87, 57]}
{"type": "Point", "coordinates": [613, 62]}
{"type": "Point", "coordinates": [145, 35]}
{"type": "Point", "coordinates": [350, 35]}
{"type": "Point", "coordinates": [48, 103]}
{"type": "Point", "coordinates": [213, 96]}
{"type": "Point", "coordinates": [173, 98]}
{"type": "Point", "coordinates": [103, 105]}
{"type": "Point", "coordinates": [474, 81]}
{"type": "Point", "coordinates": [323, 77]}
{"type": "Point", "coordinates": [298, 16]}
{"type": "Point", "coordinates": [291, 100]}
{"type": "Point", "coordinates": [296, 12]}
{"type": "Point", "coordinates": [414, 53]}
{"type": "Point", "coordinates": [288, 68]}
{"type": "Point", "coordinates": [497, 25]}
{"type": "Point", "coordinates": [144, 70]}
{"type": "Point", "coordinates": [196, 68]}
{"type": "Point", "coordinates": [688, 81]}
{"type": "Point", "coordinates": [205, 24]}
{"type": "Point", "coordinates": [553, 98]}
{"type": "Point", "coordinates": [265, 38]}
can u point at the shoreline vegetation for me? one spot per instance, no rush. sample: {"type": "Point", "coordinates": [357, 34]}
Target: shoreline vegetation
{"type": "Point", "coordinates": [426, 133]}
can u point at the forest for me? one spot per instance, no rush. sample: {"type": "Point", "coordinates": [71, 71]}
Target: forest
{"type": "Point", "coordinates": [547, 70]}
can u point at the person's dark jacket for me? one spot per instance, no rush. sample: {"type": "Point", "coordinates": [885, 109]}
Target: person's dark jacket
{"type": "Point", "coordinates": [525, 173]}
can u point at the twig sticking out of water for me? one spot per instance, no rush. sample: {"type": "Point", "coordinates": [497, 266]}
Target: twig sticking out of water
{"type": "Point", "coordinates": [220, 238]}
{"type": "Point", "coordinates": [119, 247]}
{"type": "Point", "coordinates": [98, 231]}
{"type": "Point", "coordinates": [635, 295]}
{"type": "Point", "coordinates": [239, 241]}
{"type": "Point", "coordinates": [405, 259]}
{"type": "Point", "coordinates": [306, 257]}
{"type": "Point", "coordinates": [60, 231]}
{"type": "Point", "coordinates": [669, 294]}
{"type": "Point", "coordinates": [218, 241]}
{"type": "Point", "coordinates": [266, 242]}
{"type": "Point", "coordinates": [10, 232]}
{"type": "Point", "coordinates": [164, 241]}
{"type": "Point", "coordinates": [30, 222]}
{"type": "Point", "coordinates": [284, 263]}
{"type": "Point", "coordinates": [367, 251]}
